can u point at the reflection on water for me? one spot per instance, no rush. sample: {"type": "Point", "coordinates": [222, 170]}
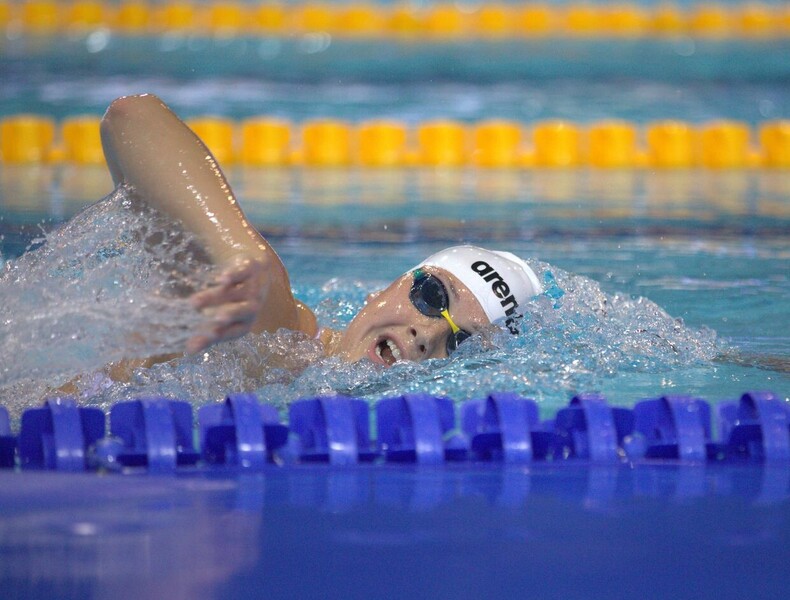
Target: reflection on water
{"type": "Point", "coordinates": [444, 204]}
{"type": "Point", "coordinates": [595, 337]}
{"type": "Point", "coordinates": [334, 532]}
{"type": "Point", "coordinates": [84, 537]}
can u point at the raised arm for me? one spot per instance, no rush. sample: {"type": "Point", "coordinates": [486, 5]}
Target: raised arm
{"type": "Point", "coordinates": [151, 149]}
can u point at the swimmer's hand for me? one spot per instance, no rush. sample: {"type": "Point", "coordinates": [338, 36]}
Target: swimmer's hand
{"type": "Point", "coordinates": [232, 304]}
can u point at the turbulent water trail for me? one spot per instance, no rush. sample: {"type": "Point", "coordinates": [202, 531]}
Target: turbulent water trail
{"type": "Point", "coordinates": [110, 284]}
{"type": "Point", "coordinates": [113, 282]}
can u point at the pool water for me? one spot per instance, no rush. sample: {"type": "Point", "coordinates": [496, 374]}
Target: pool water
{"type": "Point", "coordinates": [707, 248]}
{"type": "Point", "coordinates": [660, 282]}
{"type": "Point", "coordinates": [399, 532]}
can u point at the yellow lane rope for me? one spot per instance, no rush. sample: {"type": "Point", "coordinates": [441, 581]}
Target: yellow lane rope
{"type": "Point", "coordinates": [265, 141]}
{"type": "Point", "coordinates": [436, 22]}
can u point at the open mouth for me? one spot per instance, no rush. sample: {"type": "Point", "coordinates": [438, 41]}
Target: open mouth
{"type": "Point", "coordinates": [388, 352]}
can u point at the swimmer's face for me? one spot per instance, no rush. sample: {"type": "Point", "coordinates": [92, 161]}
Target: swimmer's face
{"type": "Point", "coordinates": [390, 328]}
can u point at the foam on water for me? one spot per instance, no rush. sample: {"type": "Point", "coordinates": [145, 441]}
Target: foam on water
{"type": "Point", "coordinates": [110, 284]}
{"type": "Point", "coordinates": [113, 282]}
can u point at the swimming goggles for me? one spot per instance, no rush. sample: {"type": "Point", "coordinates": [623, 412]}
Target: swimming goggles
{"type": "Point", "coordinates": [430, 297]}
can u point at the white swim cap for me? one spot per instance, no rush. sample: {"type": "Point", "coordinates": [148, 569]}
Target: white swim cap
{"type": "Point", "coordinates": [500, 281]}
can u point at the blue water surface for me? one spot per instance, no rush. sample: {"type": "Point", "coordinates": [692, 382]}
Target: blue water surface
{"type": "Point", "coordinates": [572, 532]}
{"type": "Point", "coordinates": [710, 248]}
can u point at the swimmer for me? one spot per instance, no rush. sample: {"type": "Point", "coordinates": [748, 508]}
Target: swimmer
{"type": "Point", "coordinates": [425, 313]}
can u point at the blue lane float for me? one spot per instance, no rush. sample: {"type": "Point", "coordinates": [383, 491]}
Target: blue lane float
{"type": "Point", "coordinates": [59, 435]}
{"type": "Point", "coordinates": [675, 427]}
{"type": "Point", "coordinates": [501, 427]}
{"type": "Point", "coordinates": [7, 441]}
{"type": "Point", "coordinates": [756, 427]}
{"type": "Point", "coordinates": [591, 429]}
{"type": "Point", "coordinates": [416, 428]}
{"type": "Point", "coordinates": [156, 434]}
{"type": "Point", "coordinates": [240, 432]}
{"type": "Point", "coordinates": [332, 429]}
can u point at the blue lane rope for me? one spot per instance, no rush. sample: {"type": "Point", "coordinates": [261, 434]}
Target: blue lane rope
{"type": "Point", "coordinates": [156, 434]}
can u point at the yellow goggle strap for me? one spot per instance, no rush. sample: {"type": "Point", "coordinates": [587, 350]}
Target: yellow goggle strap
{"type": "Point", "coordinates": [453, 326]}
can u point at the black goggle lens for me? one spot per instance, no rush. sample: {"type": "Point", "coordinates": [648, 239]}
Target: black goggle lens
{"type": "Point", "coordinates": [456, 339]}
{"type": "Point", "coordinates": [429, 296]}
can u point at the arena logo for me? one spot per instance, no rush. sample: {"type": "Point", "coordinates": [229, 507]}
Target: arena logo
{"type": "Point", "coordinates": [501, 290]}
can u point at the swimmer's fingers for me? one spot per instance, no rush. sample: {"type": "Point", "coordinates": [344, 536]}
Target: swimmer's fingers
{"type": "Point", "coordinates": [227, 323]}
{"type": "Point", "coordinates": [240, 271]}
{"type": "Point", "coordinates": [198, 343]}
{"type": "Point", "coordinates": [238, 286]}
{"type": "Point", "coordinates": [231, 332]}
{"type": "Point", "coordinates": [231, 305]}
{"type": "Point", "coordinates": [237, 312]}
{"type": "Point", "coordinates": [220, 295]}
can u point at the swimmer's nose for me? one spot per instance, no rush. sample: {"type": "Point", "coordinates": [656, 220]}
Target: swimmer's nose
{"type": "Point", "coordinates": [419, 342]}
{"type": "Point", "coordinates": [428, 335]}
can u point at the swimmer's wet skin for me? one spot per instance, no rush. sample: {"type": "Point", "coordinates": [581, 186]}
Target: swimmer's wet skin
{"type": "Point", "coordinates": [431, 309]}
{"type": "Point", "coordinates": [148, 148]}
{"type": "Point", "coordinates": [424, 314]}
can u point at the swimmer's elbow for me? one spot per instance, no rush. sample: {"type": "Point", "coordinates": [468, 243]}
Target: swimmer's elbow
{"type": "Point", "coordinates": [131, 107]}
{"type": "Point", "coordinates": [130, 126]}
